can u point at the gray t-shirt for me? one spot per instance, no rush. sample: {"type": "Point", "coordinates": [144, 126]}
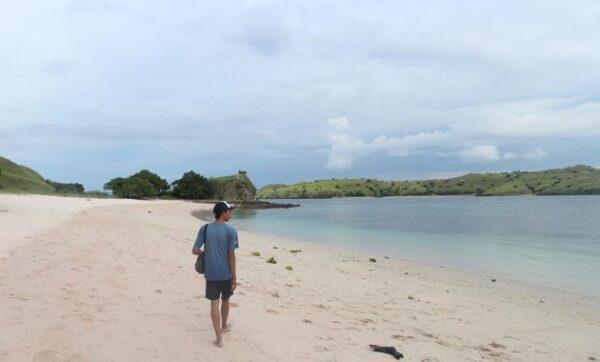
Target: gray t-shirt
{"type": "Point", "coordinates": [221, 238]}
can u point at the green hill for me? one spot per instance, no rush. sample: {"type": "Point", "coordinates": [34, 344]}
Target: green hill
{"type": "Point", "coordinates": [17, 178]}
{"type": "Point", "coordinates": [576, 180]}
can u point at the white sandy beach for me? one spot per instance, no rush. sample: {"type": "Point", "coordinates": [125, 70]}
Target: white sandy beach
{"type": "Point", "coordinates": [113, 280]}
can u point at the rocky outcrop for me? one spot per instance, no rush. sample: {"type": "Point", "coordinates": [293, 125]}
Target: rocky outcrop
{"type": "Point", "coordinates": [236, 187]}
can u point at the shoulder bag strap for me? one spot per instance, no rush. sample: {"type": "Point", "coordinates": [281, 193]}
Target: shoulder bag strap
{"type": "Point", "coordinates": [205, 239]}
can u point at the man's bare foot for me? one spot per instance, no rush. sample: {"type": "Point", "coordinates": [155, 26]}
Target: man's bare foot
{"type": "Point", "coordinates": [218, 343]}
{"type": "Point", "coordinates": [226, 328]}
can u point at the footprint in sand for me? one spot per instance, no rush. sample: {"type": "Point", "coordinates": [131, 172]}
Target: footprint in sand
{"type": "Point", "coordinates": [85, 317]}
{"type": "Point", "coordinates": [46, 356]}
{"type": "Point", "coordinates": [55, 356]}
{"type": "Point", "coordinates": [497, 345]}
{"type": "Point", "coordinates": [321, 306]}
{"type": "Point", "coordinates": [57, 327]}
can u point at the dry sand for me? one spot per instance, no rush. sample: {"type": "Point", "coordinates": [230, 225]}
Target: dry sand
{"type": "Point", "coordinates": [113, 280]}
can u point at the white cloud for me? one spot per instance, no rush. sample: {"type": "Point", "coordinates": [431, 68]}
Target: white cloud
{"type": "Point", "coordinates": [535, 154]}
{"type": "Point", "coordinates": [486, 127]}
{"type": "Point", "coordinates": [509, 156]}
{"type": "Point", "coordinates": [345, 149]}
{"type": "Point", "coordinates": [480, 154]}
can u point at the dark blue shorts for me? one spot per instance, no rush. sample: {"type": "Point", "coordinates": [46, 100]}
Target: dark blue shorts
{"type": "Point", "coordinates": [218, 288]}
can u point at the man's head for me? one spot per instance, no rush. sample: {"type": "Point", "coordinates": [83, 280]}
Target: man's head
{"type": "Point", "coordinates": [222, 210]}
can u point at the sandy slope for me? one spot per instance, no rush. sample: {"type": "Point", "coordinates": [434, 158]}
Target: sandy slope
{"type": "Point", "coordinates": [116, 283]}
{"type": "Point", "coordinates": [24, 216]}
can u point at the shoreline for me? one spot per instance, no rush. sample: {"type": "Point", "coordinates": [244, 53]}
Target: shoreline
{"type": "Point", "coordinates": [116, 282]}
{"type": "Point", "coordinates": [483, 275]}
{"type": "Point", "coordinates": [206, 216]}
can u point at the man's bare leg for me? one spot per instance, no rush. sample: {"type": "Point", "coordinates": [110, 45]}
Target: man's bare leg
{"type": "Point", "coordinates": [224, 315]}
{"type": "Point", "coordinates": [216, 321]}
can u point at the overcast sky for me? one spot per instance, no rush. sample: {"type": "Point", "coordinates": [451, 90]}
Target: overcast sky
{"type": "Point", "coordinates": [289, 91]}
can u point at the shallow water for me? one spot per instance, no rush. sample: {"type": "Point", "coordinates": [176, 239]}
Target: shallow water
{"type": "Point", "coordinates": [552, 241]}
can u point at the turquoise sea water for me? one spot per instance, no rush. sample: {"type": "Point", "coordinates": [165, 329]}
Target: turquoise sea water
{"type": "Point", "coordinates": [551, 241]}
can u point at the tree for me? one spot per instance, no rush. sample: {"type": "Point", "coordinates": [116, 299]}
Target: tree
{"type": "Point", "coordinates": [137, 188]}
{"type": "Point", "coordinates": [131, 187]}
{"type": "Point", "coordinates": [193, 186]}
{"type": "Point", "coordinates": [160, 184]}
{"type": "Point", "coordinates": [139, 185]}
{"type": "Point", "coordinates": [70, 188]}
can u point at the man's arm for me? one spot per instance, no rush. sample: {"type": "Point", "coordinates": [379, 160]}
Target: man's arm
{"type": "Point", "coordinates": [199, 241]}
{"type": "Point", "coordinates": [231, 255]}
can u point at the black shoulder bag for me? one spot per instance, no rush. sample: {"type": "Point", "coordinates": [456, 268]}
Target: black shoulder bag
{"type": "Point", "coordinates": [200, 264]}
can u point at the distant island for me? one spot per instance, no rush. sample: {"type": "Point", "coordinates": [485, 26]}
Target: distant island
{"type": "Point", "coordinates": [575, 180]}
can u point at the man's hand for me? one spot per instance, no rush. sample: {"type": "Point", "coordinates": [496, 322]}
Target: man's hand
{"type": "Point", "coordinates": [233, 283]}
{"type": "Point", "coordinates": [197, 251]}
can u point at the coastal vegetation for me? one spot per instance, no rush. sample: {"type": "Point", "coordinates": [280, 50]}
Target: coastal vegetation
{"type": "Point", "coordinates": [139, 185]}
{"type": "Point", "coordinates": [191, 186]}
{"type": "Point", "coordinates": [66, 188]}
{"type": "Point", "coordinates": [576, 180]}
{"type": "Point", "coordinates": [16, 178]}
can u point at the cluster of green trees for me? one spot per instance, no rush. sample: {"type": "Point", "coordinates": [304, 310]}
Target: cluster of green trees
{"type": "Point", "coordinates": [147, 184]}
{"type": "Point", "coordinates": [66, 188]}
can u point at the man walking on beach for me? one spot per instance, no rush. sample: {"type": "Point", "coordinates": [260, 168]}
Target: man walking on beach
{"type": "Point", "coordinates": [219, 249]}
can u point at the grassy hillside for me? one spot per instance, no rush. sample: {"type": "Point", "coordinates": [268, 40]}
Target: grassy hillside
{"type": "Point", "coordinates": [17, 178]}
{"type": "Point", "coordinates": [576, 180]}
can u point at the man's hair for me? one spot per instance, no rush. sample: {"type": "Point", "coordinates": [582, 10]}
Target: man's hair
{"type": "Point", "coordinates": [219, 213]}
